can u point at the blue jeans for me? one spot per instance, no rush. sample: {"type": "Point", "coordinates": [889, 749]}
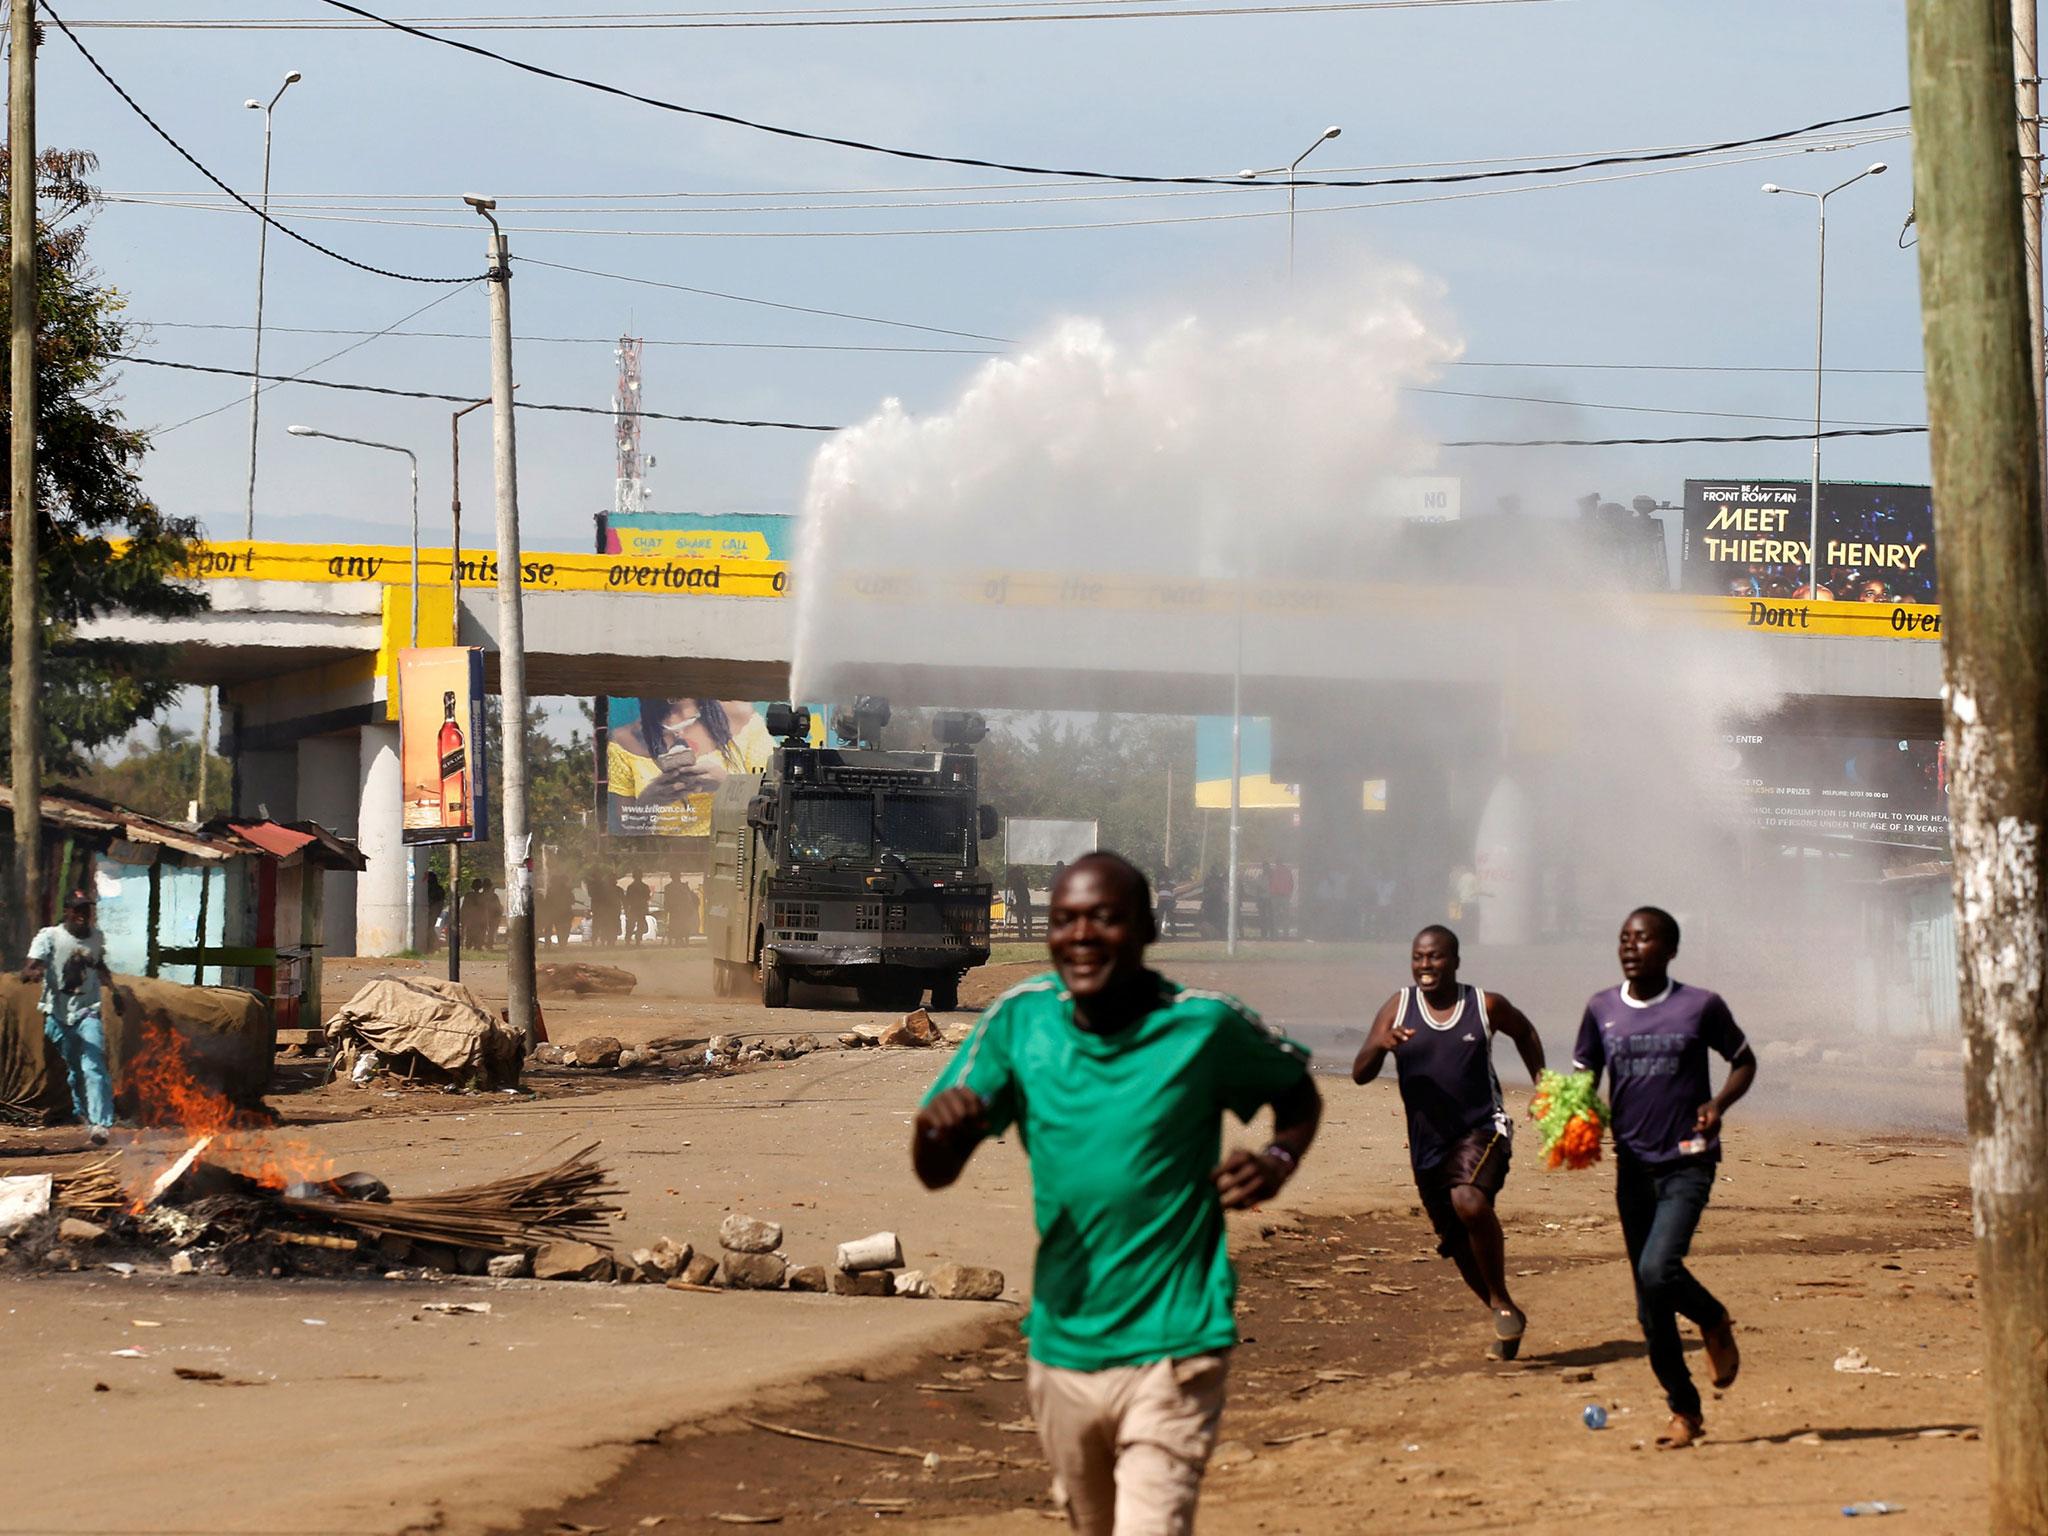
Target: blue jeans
{"type": "Point", "coordinates": [1661, 1205]}
{"type": "Point", "coordinates": [82, 1042]}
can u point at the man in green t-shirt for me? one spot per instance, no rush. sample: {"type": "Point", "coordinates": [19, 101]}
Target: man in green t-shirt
{"type": "Point", "coordinates": [1117, 1080]}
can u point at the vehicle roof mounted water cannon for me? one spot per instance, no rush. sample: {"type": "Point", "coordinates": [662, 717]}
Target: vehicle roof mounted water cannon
{"type": "Point", "coordinates": [790, 723]}
{"type": "Point", "coordinates": [860, 723]}
{"type": "Point", "coordinates": [959, 728]}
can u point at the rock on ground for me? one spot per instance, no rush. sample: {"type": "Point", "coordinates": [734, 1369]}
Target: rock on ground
{"type": "Point", "coordinates": [874, 1282]}
{"type": "Point", "coordinates": [699, 1269]}
{"type": "Point", "coordinates": [966, 1282]}
{"type": "Point", "coordinates": [72, 1230]}
{"type": "Point", "coordinates": [911, 1282]}
{"type": "Point", "coordinates": [572, 1261]}
{"type": "Point", "coordinates": [753, 1271]}
{"type": "Point", "coordinates": [602, 1051]}
{"type": "Point", "coordinates": [810, 1278]}
{"type": "Point", "coordinates": [509, 1266]}
{"type": "Point", "coordinates": [749, 1234]}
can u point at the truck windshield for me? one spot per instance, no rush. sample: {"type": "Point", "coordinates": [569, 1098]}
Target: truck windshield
{"type": "Point", "coordinates": [828, 826]}
{"type": "Point", "coordinates": [927, 825]}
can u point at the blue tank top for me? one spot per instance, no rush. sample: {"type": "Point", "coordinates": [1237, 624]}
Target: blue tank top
{"type": "Point", "coordinates": [1448, 1085]}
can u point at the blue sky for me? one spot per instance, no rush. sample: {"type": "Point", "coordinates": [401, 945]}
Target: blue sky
{"type": "Point", "coordinates": [1696, 267]}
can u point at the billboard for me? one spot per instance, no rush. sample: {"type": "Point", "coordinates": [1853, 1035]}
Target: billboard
{"type": "Point", "coordinates": [665, 758]}
{"type": "Point", "coordinates": [441, 744]}
{"type": "Point", "coordinates": [1256, 789]}
{"type": "Point", "coordinates": [1752, 538]}
{"type": "Point", "coordinates": [1878, 789]}
{"type": "Point", "coordinates": [676, 535]}
{"type": "Point", "coordinates": [1048, 840]}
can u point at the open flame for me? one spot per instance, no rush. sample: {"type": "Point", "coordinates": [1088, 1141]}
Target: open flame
{"type": "Point", "coordinates": [169, 1094]}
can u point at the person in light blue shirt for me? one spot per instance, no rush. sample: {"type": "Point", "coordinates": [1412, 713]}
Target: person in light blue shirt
{"type": "Point", "coordinates": [70, 961]}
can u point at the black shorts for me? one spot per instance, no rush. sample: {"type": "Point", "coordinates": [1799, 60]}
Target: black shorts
{"type": "Point", "coordinates": [1479, 1159]}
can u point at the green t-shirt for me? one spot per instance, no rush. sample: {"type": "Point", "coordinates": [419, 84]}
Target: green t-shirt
{"type": "Point", "coordinates": [1123, 1132]}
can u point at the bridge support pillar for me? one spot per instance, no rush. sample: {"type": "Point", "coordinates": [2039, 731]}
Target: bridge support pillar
{"type": "Point", "coordinates": [328, 772]}
{"type": "Point", "coordinates": [381, 888]}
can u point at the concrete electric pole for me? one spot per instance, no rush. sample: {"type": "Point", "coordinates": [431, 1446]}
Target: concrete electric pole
{"type": "Point", "coordinates": [26, 703]}
{"type": "Point", "coordinates": [1982, 407]}
{"type": "Point", "coordinates": [519, 1002]}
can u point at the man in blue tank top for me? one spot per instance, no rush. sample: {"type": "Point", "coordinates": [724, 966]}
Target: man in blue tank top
{"type": "Point", "coordinates": [1651, 1036]}
{"type": "Point", "coordinates": [1440, 1034]}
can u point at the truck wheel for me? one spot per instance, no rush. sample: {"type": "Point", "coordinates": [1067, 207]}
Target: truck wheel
{"type": "Point", "coordinates": [946, 994]}
{"type": "Point", "coordinates": [774, 986]}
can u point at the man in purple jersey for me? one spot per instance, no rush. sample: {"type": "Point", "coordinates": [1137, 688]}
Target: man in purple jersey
{"type": "Point", "coordinates": [1651, 1036]}
{"type": "Point", "coordinates": [1441, 1036]}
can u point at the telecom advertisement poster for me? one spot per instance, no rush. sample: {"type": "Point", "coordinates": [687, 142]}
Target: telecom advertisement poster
{"type": "Point", "coordinates": [1754, 539]}
{"type": "Point", "coordinates": [665, 758]}
{"type": "Point", "coordinates": [441, 744]}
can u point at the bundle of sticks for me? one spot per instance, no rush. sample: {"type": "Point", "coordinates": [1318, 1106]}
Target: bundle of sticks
{"type": "Point", "coordinates": [508, 1215]}
{"type": "Point", "coordinates": [95, 1187]}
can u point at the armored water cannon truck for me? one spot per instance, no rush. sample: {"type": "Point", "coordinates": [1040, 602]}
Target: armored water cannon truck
{"type": "Point", "coordinates": [850, 866]}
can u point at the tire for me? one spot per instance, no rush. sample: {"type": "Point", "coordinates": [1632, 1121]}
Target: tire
{"type": "Point", "coordinates": [774, 986]}
{"type": "Point", "coordinates": [946, 994]}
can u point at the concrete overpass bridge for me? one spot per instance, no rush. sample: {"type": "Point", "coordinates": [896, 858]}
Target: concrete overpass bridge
{"type": "Point", "coordinates": [303, 640]}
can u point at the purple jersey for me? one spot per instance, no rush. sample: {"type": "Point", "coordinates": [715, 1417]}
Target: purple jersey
{"type": "Point", "coordinates": [1655, 1056]}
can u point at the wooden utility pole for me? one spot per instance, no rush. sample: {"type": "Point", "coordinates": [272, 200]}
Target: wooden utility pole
{"type": "Point", "coordinates": [26, 703]}
{"type": "Point", "coordinates": [2026, 64]}
{"type": "Point", "coordinates": [1982, 408]}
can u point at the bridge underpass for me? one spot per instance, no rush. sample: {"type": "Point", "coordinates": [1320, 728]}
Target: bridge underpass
{"type": "Point", "coordinates": [303, 643]}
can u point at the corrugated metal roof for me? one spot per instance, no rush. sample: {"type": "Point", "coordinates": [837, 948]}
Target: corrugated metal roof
{"type": "Point", "coordinates": [216, 841]}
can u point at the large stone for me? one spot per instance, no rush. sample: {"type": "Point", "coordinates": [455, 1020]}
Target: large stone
{"type": "Point", "coordinates": [749, 1234]}
{"type": "Point", "coordinates": [72, 1230]}
{"type": "Point", "coordinates": [665, 1260]}
{"type": "Point", "coordinates": [878, 1250]}
{"type": "Point", "coordinates": [572, 1261]}
{"type": "Point", "coordinates": [699, 1269]}
{"type": "Point", "coordinates": [873, 1282]}
{"type": "Point", "coordinates": [752, 1271]}
{"type": "Point", "coordinates": [912, 1283]}
{"type": "Point", "coordinates": [597, 1051]}
{"type": "Point", "coordinates": [510, 1266]}
{"type": "Point", "coordinates": [810, 1278]}
{"type": "Point", "coordinates": [915, 1028]}
{"type": "Point", "coordinates": [966, 1282]}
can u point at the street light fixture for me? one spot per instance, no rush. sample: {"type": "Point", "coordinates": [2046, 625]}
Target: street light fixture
{"type": "Point", "coordinates": [1820, 202]}
{"type": "Point", "coordinates": [1333, 131]}
{"type": "Point", "coordinates": [262, 250]}
{"type": "Point", "coordinates": [411, 859]}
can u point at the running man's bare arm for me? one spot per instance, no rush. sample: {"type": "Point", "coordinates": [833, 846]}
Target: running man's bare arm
{"type": "Point", "coordinates": [1511, 1021]}
{"type": "Point", "coordinates": [1379, 1040]}
{"type": "Point", "coordinates": [1741, 1075]}
{"type": "Point", "coordinates": [1245, 1178]}
{"type": "Point", "coordinates": [945, 1134]}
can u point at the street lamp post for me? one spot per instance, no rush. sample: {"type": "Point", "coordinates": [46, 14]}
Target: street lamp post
{"type": "Point", "coordinates": [1820, 312]}
{"type": "Point", "coordinates": [262, 248]}
{"type": "Point", "coordinates": [1290, 168]}
{"type": "Point", "coordinates": [411, 859]}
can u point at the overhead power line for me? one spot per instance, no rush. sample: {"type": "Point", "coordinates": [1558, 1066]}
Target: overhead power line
{"type": "Point", "coordinates": [934, 158]}
{"type": "Point", "coordinates": [592, 341]}
{"type": "Point", "coordinates": [463, 399]}
{"type": "Point", "coordinates": [801, 426]}
{"type": "Point", "coordinates": [193, 161]}
{"type": "Point", "coordinates": [863, 16]}
{"type": "Point", "coordinates": [741, 298]}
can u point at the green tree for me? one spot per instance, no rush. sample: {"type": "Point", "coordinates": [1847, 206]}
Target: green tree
{"type": "Point", "coordinates": [88, 492]}
{"type": "Point", "coordinates": [161, 778]}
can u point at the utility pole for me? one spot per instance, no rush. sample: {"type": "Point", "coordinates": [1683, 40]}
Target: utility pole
{"type": "Point", "coordinates": [26, 704]}
{"type": "Point", "coordinates": [519, 1003]}
{"type": "Point", "coordinates": [2026, 63]}
{"type": "Point", "coordinates": [1983, 409]}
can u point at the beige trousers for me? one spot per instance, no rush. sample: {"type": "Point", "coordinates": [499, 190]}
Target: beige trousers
{"type": "Point", "coordinates": [1128, 1445]}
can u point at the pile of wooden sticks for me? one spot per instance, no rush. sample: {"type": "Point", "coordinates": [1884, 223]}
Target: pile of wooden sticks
{"type": "Point", "coordinates": [570, 1200]}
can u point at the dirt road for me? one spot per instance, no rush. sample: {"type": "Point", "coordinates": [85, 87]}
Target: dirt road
{"type": "Point", "coordinates": [1360, 1395]}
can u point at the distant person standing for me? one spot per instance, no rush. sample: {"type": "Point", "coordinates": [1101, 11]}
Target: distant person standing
{"type": "Point", "coordinates": [1280, 885]}
{"type": "Point", "coordinates": [437, 903]}
{"type": "Point", "coordinates": [1440, 1034]}
{"type": "Point", "coordinates": [1017, 893]}
{"type": "Point", "coordinates": [684, 910]}
{"type": "Point", "coordinates": [1651, 1036]}
{"type": "Point", "coordinates": [1117, 1081]}
{"type": "Point", "coordinates": [604, 907]}
{"type": "Point", "coordinates": [70, 960]}
{"type": "Point", "coordinates": [637, 897]}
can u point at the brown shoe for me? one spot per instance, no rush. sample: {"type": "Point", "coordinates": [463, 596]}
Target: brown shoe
{"type": "Point", "coordinates": [1723, 1353]}
{"type": "Point", "coordinates": [1680, 1434]}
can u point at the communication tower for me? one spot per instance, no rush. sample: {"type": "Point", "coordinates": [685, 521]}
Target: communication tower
{"type": "Point", "coordinates": [629, 492]}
